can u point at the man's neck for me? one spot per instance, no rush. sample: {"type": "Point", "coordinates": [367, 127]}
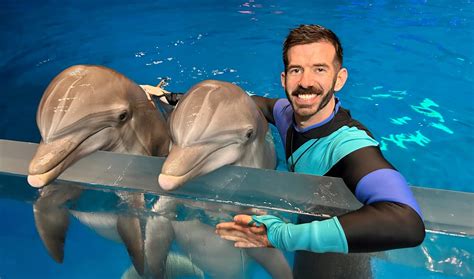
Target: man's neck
{"type": "Point", "coordinates": [317, 118]}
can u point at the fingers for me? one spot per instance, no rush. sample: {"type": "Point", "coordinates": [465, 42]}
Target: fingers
{"type": "Point", "coordinates": [231, 226]}
{"type": "Point", "coordinates": [243, 239]}
{"type": "Point", "coordinates": [243, 219]}
{"type": "Point", "coordinates": [239, 244]}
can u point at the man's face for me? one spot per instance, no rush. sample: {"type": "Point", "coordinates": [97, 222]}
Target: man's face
{"type": "Point", "coordinates": [311, 80]}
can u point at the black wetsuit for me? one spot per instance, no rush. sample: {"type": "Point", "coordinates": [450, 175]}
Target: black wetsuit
{"type": "Point", "coordinates": [342, 147]}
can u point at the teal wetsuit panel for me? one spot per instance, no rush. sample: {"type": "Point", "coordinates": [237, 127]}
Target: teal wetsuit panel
{"type": "Point", "coordinates": [325, 152]}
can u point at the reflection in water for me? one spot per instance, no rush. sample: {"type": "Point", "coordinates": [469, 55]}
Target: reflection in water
{"type": "Point", "coordinates": [443, 254]}
{"type": "Point", "coordinates": [425, 109]}
{"type": "Point", "coordinates": [401, 139]}
{"type": "Point", "coordinates": [400, 121]}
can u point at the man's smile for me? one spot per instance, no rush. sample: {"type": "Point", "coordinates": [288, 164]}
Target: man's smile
{"type": "Point", "coordinates": [306, 96]}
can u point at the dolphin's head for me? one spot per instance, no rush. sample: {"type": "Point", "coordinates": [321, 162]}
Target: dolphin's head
{"type": "Point", "coordinates": [89, 108]}
{"type": "Point", "coordinates": [212, 126]}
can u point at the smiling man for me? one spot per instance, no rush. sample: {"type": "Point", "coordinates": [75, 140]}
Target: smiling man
{"type": "Point", "coordinates": [321, 138]}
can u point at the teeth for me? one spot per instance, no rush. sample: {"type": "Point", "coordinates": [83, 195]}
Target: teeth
{"type": "Point", "coordinates": [306, 96]}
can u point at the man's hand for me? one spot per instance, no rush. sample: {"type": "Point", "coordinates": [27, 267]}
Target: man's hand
{"type": "Point", "coordinates": [244, 232]}
{"type": "Point", "coordinates": [157, 90]}
{"type": "Point", "coordinates": [165, 96]}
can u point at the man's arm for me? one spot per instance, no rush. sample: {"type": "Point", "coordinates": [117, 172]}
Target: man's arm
{"type": "Point", "coordinates": [389, 219]}
{"type": "Point", "coordinates": [266, 107]}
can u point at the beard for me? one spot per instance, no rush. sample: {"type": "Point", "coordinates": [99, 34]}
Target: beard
{"type": "Point", "coordinates": [309, 110]}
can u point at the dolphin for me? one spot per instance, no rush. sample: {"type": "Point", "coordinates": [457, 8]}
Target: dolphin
{"type": "Point", "coordinates": [216, 124]}
{"type": "Point", "coordinates": [87, 108]}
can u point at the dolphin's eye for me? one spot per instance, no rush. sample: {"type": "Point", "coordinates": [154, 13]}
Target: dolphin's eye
{"type": "Point", "coordinates": [123, 116]}
{"type": "Point", "coordinates": [249, 133]}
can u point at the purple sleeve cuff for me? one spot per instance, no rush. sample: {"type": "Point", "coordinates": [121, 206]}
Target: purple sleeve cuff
{"type": "Point", "coordinates": [386, 185]}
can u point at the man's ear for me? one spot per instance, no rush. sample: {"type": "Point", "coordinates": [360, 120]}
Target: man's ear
{"type": "Point", "coordinates": [282, 76]}
{"type": "Point", "coordinates": [340, 79]}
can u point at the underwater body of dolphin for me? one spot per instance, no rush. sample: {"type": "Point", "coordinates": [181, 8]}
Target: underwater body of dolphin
{"type": "Point", "coordinates": [216, 124]}
{"type": "Point", "coordinates": [85, 109]}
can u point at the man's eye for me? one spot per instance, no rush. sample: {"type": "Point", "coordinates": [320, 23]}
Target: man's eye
{"type": "Point", "coordinates": [295, 71]}
{"type": "Point", "coordinates": [320, 70]}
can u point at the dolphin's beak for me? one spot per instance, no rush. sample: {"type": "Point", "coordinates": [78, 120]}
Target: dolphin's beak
{"type": "Point", "coordinates": [179, 162]}
{"type": "Point", "coordinates": [45, 165]}
{"type": "Point", "coordinates": [184, 163]}
{"type": "Point", "coordinates": [181, 165]}
{"type": "Point", "coordinates": [170, 182]}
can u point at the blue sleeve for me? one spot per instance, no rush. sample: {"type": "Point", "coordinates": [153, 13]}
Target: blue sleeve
{"type": "Point", "coordinates": [386, 185]}
{"type": "Point", "coordinates": [317, 236]}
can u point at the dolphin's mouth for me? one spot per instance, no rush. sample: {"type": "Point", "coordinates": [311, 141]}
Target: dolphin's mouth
{"type": "Point", "coordinates": [40, 180]}
{"type": "Point", "coordinates": [52, 158]}
{"type": "Point", "coordinates": [172, 175]}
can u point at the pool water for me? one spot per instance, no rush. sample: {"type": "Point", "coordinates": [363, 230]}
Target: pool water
{"type": "Point", "coordinates": [410, 82]}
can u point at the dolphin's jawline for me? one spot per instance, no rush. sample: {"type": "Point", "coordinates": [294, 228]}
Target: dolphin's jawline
{"type": "Point", "coordinates": [70, 152]}
{"type": "Point", "coordinates": [200, 162]}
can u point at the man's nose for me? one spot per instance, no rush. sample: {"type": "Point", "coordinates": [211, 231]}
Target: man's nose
{"type": "Point", "coordinates": [306, 80]}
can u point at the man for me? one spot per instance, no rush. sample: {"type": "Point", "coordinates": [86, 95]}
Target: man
{"type": "Point", "coordinates": [321, 138]}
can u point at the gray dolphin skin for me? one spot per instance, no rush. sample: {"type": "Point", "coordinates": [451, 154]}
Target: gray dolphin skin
{"type": "Point", "coordinates": [215, 124]}
{"type": "Point", "coordinates": [87, 108]}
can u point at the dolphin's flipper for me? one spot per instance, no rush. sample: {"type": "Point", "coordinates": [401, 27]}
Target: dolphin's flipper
{"type": "Point", "coordinates": [129, 229]}
{"type": "Point", "coordinates": [159, 236]}
{"type": "Point", "coordinates": [52, 225]}
{"type": "Point", "coordinates": [52, 219]}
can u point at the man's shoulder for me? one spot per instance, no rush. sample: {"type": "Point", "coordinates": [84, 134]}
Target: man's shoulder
{"type": "Point", "coordinates": [283, 115]}
{"type": "Point", "coordinates": [344, 118]}
{"type": "Point", "coordinates": [282, 107]}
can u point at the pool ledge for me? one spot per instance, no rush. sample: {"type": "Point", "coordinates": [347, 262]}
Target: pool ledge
{"type": "Point", "coordinates": [446, 212]}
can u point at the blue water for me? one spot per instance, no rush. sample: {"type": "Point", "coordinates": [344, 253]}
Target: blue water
{"type": "Point", "coordinates": [410, 64]}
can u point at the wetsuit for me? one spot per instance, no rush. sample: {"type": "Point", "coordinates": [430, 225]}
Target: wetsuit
{"type": "Point", "coordinates": [341, 147]}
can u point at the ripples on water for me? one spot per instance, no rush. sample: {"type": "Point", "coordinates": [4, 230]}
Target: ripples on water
{"type": "Point", "coordinates": [400, 56]}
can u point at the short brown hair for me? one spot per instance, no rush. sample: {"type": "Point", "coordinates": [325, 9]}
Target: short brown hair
{"type": "Point", "coordinates": [311, 33]}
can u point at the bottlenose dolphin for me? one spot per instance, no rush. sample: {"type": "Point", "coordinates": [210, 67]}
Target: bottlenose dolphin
{"type": "Point", "coordinates": [215, 124]}
{"type": "Point", "coordinates": [85, 109]}
{"type": "Point", "coordinates": [89, 108]}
